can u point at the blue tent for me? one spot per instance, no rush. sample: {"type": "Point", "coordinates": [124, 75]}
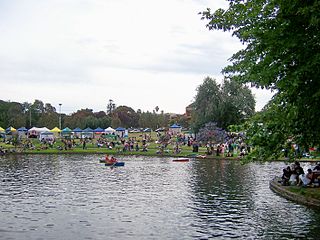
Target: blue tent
{"type": "Point", "coordinates": [98, 130]}
{"type": "Point", "coordinates": [87, 130]}
{"type": "Point", "coordinates": [22, 129]}
{"type": "Point", "coordinates": [175, 126]}
{"type": "Point", "coordinates": [77, 130]}
{"type": "Point", "coordinates": [87, 133]}
{"type": "Point", "coordinates": [120, 129]}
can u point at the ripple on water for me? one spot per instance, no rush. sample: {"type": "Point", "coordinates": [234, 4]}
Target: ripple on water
{"type": "Point", "coordinates": [68, 197]}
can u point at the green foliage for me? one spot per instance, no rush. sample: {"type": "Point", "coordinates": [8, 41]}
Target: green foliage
{"type": "Point", "coordinates": [87, 118]}
{"type": "Point", "coordinates": [226, 104]}
{"type": "Point", "coordinates": [127, 116]}
{"type": "Point", "coordinates": [11, 114]}
{"type": "Point", "coordinates": [44, 114]}
{"type": "Point", "coordinates": [281, 52]}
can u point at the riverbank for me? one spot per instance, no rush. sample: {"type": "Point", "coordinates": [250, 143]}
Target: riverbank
{"type": "Point", "coordinates": [303, 195]}
{"type": "Point", "coordinates": [104, 151]}
{"type": "Point", "coordinates": [152, 151]}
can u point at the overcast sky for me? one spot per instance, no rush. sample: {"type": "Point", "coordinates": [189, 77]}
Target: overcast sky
{"type": "Point", "coordinates": [81, 53]}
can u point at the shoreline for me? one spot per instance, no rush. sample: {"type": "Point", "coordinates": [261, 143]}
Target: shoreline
{"type": "Point", "coordinates": [97, 151]}
{"type": "Point", "coordinates": [146, 154]}
{"type": "Point", "coordinates": [301, 198]}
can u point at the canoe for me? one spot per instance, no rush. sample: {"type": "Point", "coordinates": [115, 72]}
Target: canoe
{"type": "Point", "coordinates": [102, 160]}
{"type": "Point", "coordinates": [181, 160]}
{"type": "Point", "coordinates": [117, 164]}
{"type": "Point", "coordinates": [194, 155]}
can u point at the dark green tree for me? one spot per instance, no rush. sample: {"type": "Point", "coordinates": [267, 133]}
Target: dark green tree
{"type": "Point", "coordinates": [226, 104]}
{"type": "Point", "coordinates": [111, 106]}
{"type": "Point", "coordinates": [127, 116]}
{"type": "Point", "coordinates": [281, 52]}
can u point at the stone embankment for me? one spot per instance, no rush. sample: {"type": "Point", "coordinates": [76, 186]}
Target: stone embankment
{"type": "Point", "coordinates": [296, 197]}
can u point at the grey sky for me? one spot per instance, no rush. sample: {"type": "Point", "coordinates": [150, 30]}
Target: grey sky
{"type": "Point", "coordinates": [81, 53]}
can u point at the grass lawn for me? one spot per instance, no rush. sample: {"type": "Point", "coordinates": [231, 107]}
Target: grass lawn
{"type": "Point", "coordinates": [306, 191]}
{"type": "Point", "coordinates": [92, 148]}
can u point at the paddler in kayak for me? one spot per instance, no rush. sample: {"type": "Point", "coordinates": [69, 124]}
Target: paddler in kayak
{"type": "Point", "coordinates": [111, 160]}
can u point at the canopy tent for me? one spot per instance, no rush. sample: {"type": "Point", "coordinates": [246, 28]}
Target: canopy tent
{"type": "Point", "coordinates": [22, 132]}
{"type": "Point", "coordinates": [35, 131]}
{"type": "Point", "coordinates": [47, 136]}
{"type": "Point", "coordinates": [109, 136]}
{"type": "Point", "coordinates": [10, 130]}
{"type": "Point", "coordinates": [98, 130]}
{"type": "Point", "coordinates": [109, 130]}
{"type": "Point", "coordinates": [55, 130]}
{"type": "Point", "coordinates": [87, 130]}
{"type": "Point", "coordinates": [2, 133]}
{"type": "Point", "coordinates": [77, 130]}
{"type": "Point", "coordinates": [87, 133]}
{"type": "Point", "coordinates": [66, 132]}
{"type": "Point", "coordinates": [175, 128]}
{"type": "Point", "coordinates": [120, 131]}
{"type": "Point", "coordinates": [22, 129]}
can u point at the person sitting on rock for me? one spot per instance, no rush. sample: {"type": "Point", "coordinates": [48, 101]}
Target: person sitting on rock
{"type": "Point", "coordinates": [286, 176]}
{"type": "Point", "coordinates": [305, 179]}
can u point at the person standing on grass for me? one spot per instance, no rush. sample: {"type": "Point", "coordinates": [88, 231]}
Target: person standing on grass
{"type": "Point", "coordinates": [84, 144]}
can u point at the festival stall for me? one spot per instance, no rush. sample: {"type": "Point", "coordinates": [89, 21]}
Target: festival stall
{"type": "Point", "coordinates": [66, 133]}
{"type": "Point", "coordinates": [56, 132]}
{"type": "Point", "coordinates": [175, 129]}
{"type": "Point", "coordinates": [35, 131]}
{"type": "Point", "coordinates": [77, 132]}
{"type": "Point", "coordinates": [87, 133]}
{"type": "Point", "coordinates": [22, 132]}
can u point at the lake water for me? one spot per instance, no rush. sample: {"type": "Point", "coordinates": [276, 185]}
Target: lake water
{"type": "Point", "coordinates": [76, 197]}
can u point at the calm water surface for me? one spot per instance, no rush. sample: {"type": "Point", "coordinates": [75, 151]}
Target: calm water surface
{"type": "Point", "coordinates": [76, 197]}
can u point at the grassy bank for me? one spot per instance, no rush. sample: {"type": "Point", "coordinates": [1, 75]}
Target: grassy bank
{"type": "Point", "coordinates": [59, 147]}
{"type": "Point", "coordinates": [34, 146]}
{"type": "Point", "coordinates": [308, 196]}
{"type": "Point", "coordinates": [307, 192]}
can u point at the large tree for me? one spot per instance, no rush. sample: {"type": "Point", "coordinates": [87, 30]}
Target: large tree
{"type": "Point", "coordinates": [281, 52]}
{"type": "Point", "coordinates": [226, 104]}
{"type": "Point", "coordinates": [127, 116]}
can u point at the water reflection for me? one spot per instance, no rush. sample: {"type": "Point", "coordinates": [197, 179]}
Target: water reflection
{"type": "Point", "coordinates": [76, 197]}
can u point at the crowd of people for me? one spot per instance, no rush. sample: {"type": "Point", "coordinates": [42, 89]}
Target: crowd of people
{"type": "Point", "coordinates": [295, 175]}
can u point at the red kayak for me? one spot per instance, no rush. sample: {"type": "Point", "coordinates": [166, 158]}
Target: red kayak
{"type": "Point", "coordinates": [181, 160]}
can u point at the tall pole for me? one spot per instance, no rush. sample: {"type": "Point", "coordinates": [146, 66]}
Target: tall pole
{"type": "Point", "coordinates": [30, 117]}
{"type": "Point", "coordinates": [60, 115]}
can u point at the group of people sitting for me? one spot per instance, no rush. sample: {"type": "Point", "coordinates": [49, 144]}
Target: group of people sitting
{"type": "Point", "coordinates": [295, 175]}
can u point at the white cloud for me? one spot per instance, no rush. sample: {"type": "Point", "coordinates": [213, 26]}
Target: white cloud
{"type": "Point", "coordinates": [83, 52]}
